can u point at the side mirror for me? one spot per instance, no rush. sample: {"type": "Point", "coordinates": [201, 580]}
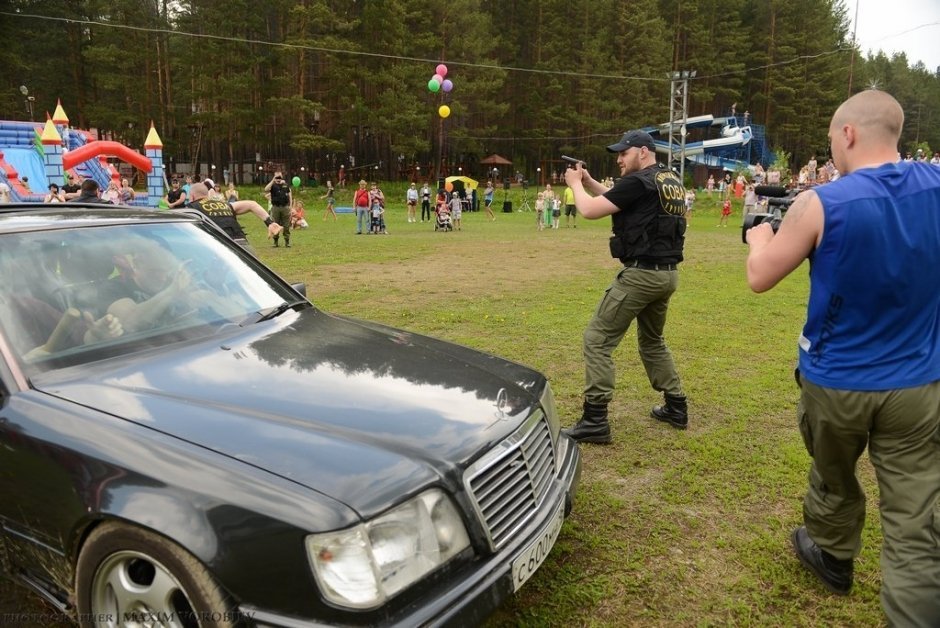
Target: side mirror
{"type": "Point", "coordinates": [300, 288]}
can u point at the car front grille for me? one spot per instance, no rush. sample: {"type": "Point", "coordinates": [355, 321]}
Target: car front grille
{"type": "Point", "coordinates": [509, 483]}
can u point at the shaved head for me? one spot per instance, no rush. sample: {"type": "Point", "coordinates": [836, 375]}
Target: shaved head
{"type": "Point", "coordinates": [198, 191]}
{"type": "Point", "coordinates": [876, 114]}
{"type": "Point", "coordinates": [865, 130]}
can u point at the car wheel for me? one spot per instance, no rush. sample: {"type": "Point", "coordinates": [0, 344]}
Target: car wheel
{"type": "Point", "coordinates": [127, 576]}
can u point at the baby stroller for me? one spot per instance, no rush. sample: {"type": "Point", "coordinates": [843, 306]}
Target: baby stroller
{"type": "Point", "coordinates": [443, 222]}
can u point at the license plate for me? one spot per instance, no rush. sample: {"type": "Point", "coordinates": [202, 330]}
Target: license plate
{"type": "Point", "coordinates": [534, 555]}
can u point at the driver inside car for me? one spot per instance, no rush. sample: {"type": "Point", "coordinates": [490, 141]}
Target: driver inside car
{"type": "Point", "coordinates": [39, 328]}
{"type": "Point", "coordinates": [154, 288]}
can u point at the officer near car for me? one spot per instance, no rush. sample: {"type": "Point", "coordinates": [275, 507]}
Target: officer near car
{"type": "Point", "coordinates": [224, 213]}
{"type": "Point", "coordinates": [281, 202]}
{"type": "Point", "coordinates": [647, 210]}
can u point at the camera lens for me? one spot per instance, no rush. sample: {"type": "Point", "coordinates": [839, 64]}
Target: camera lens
{"type": "Point", "coordinates": [752, 220]}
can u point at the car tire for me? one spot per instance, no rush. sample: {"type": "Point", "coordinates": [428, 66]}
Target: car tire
{"type": "Point", "coordinates": [128, 576]}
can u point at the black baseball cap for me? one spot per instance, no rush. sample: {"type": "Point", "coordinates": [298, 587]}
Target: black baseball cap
{"type": "Point", "coordinates": [633, 139]}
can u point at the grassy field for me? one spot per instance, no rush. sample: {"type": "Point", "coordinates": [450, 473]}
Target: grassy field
{"type": "Point", "coordinates": [669, 528]}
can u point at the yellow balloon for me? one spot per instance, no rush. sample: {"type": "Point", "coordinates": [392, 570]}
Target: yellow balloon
{"type": "Point", "coordinates": [444, 111]}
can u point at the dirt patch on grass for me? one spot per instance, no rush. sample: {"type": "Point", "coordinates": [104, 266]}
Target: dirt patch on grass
{"type": "Point", "coordinates": [473, 267]}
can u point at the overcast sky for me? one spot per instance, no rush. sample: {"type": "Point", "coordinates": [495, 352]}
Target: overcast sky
{"type": "Point", "coordinates": [908, 26]}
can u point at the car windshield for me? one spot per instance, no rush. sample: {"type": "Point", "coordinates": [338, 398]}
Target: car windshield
{"type": "Point", "coordinates": [73, 296]}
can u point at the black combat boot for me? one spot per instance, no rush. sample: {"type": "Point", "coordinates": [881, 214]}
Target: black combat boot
{"type": "Point", "coordinates": [276, 243]}
{"type": "Point", "coordinates": [286, 241]}
{"type": "Point", "coordinates": [593, 426]}
{"type": "Point", "coordinates": [675, 412]}
{"type": "Point", "coordinates": [835, 574]}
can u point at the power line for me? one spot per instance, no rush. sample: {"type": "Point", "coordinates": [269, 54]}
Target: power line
{"type": "Point", "coordinates": [340, 51]}
{"type": "Point", "coordinates": [774, 65]}
{"type": "Point", "coordinates": [361, 53]}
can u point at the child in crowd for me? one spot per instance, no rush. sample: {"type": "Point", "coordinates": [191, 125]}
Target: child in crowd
{"type": "Point", "coordinates": [689, 201]}
{"type": "Point", "coordinates": [231, 194]}
{"type": "Point", "coordinates": [725, 212]}
{"type": "Point", "coordinates": [54, 195]}
{"type": "Point", "coordinates": [411, 199]}
{"type": "Point", "coordinates": [456, 206]}
{"type": "Point", "coordinates": [330, 201]}
{"type": "Point", "coordinates": [556, 212]}
{"type": "Point", "coordinates": [440, 203]}
{"type": "Point", "coordinates": [540, 210]}
{"type": "Point", "coordinates": [298, 217]}
{"type": "Point", "coordinates": [112, 194]}
{"type": "Point", "coordinates": [377, 213]}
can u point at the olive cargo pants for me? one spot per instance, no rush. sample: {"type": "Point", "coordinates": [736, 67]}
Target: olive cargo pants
{"type": "Point", "coordinates": [901, 429]}
{"type": "Point", "coordinates": [634, 294]}
{"type": "Point", "coordinates": [281, 215]}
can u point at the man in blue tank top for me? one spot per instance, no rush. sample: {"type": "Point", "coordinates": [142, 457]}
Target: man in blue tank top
{"type": "Point", "coordinates": [869, 354]}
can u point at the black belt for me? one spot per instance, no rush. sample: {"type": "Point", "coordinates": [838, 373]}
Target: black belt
{"type": "Point", "coordinates": [644, 265]}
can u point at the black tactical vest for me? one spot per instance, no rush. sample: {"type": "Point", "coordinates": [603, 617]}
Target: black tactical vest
{"type": "Point", "coordinates": [222, 214]}
{"type": "Point", "coordinates": [653, 228]}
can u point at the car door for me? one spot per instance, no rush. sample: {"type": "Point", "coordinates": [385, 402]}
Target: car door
{"type": "Point", "coordinates": [39, 502]}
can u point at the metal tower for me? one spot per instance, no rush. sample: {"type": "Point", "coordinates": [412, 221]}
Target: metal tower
{"type": "Point", "coordinates": [678, 115]}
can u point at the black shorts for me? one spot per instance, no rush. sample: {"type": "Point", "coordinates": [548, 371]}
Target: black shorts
{"type": "Point", "coordinates": [571, 210]}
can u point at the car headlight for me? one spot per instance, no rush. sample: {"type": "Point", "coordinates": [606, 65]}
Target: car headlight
{"type": "Point", "coordinates": [363, 566]}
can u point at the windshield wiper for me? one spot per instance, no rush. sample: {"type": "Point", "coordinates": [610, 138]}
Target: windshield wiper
{"type": "Point", "coordinates": [269, 313]}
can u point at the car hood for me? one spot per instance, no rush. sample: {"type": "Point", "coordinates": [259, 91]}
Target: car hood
{"type": "Point", "coordinates": [357, 411]}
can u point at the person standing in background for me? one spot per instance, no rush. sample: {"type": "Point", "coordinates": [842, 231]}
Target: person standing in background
{"type": "Point", "coordinates": [330, 197]}
{"type": "Point", "coordinates": [571, 211]}
{"type": "Point", "coordinates": [488, 194]}
{"type": "Point", "coordinates": [411, 200]}
{"type": "Point", "coordinates": [425, 201]}
{"type": "Point", "coordinates": [281, 202]}
{"type": "Point", "coordinates": [72, 187]}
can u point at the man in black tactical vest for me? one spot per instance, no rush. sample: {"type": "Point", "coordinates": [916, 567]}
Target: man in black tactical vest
{"type": "Point", "coordinates": [224, 213]}
{"type": "Point", "coordinates": [647, 208]}
{"type": "Point", "coordinates": [281, 202]}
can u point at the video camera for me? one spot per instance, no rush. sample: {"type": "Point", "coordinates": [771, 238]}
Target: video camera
{"type": "Point", "coordinates": [779, 199]}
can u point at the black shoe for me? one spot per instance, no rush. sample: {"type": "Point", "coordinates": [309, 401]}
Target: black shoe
{"type": "Point", "coordinates": [287, 243]}
{"type": "Point", "coordinates": [276, 244]}
{"type": "Point", "coordinates": [593, 426]}
{"type": "Point", "coordinates": [835, 574]}
{"type": "Point", "coordinates": [675, 412]}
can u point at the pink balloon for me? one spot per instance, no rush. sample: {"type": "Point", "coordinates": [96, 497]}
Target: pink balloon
{"type": "Point", "coordinates": [442, 70]}
{"type": "Point", "coordinates": [447, 85]}
{"type": "Point", "coordinates": [438, 78]}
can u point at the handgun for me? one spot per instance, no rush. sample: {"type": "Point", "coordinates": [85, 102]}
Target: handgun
{"type": "Point", "coordinates": [573, 161]}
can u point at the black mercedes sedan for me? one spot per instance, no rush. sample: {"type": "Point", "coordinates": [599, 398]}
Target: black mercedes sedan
{"type": "Point", "coordinates": [186, 440]}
